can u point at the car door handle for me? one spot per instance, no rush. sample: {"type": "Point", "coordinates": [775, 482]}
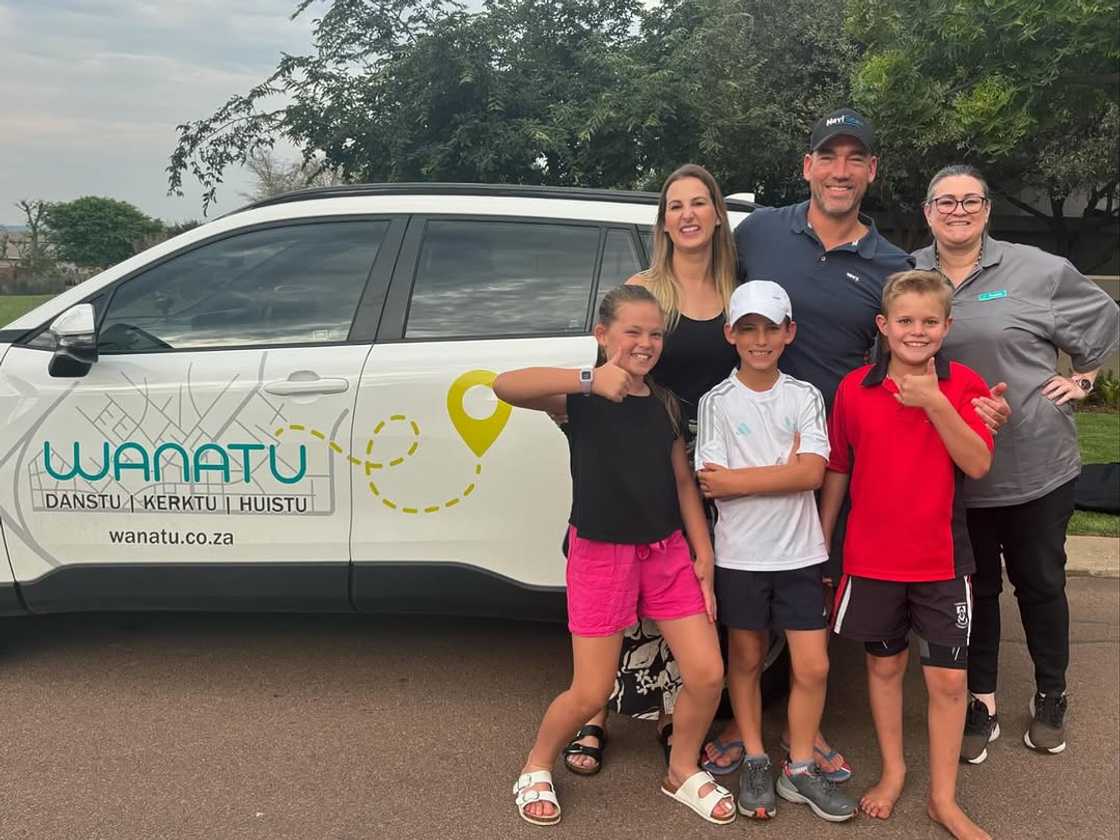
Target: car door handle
{"type": "Point", "coordinates": [303, 387]}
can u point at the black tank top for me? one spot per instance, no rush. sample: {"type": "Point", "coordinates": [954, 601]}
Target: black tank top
{"type": "Point", "coordinates": [696, 357]}
{"type": "Point", "coordinates": [623, 486]}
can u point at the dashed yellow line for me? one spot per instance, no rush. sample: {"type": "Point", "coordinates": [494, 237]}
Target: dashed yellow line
{"type": "Point", "coordinates": [369, 466]}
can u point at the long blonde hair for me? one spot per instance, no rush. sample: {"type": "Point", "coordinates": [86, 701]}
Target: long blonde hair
{"type": "Point", "coordinates": [659, 278]}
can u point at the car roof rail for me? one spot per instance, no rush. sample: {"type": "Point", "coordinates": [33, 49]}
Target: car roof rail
{"type": "Point", "coordinates": [494, 190]}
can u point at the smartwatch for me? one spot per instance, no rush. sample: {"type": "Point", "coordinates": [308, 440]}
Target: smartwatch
{"type": "Point", "coordinates": [585, 376]}
{"type": "Point", "coordinates": [1084, 383]}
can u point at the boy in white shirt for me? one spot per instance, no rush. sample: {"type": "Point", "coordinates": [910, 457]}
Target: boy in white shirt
{"type": "Point", "coordinates": [761, 451]}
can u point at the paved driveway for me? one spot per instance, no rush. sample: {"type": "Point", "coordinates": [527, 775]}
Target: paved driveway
{"type": "Point", "coordinates": [185, 726]}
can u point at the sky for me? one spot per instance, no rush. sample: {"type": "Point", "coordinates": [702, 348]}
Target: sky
{"type": "Point", "coordinates": [91, 92]}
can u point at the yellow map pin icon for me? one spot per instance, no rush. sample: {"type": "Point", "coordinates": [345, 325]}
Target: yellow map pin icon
{"type": "Point", "coordinates": [479, 435]}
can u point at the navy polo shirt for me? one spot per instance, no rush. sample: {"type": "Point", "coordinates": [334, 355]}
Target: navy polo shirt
{"type": "Point", "coordinates": [835, 294]}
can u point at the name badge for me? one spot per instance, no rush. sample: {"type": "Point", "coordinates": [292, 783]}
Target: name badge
{"type": "Point", "coordinates": [1001, 293]}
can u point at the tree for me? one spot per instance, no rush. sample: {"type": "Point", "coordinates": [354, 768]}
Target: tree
{"type": "Point", "coordinates": [735, 85]}
{"type": "Point", "coordinates": [421, 90]}
{"type": "Point", "coordinates": [96, 232]}
{"type": "Point", "coordinates": [275, 176]}
{"type": "Point", "coordinates": [34, 254]}
{"type": "Point", "coordinates": [604, 93]}
{"type": "Point", "coordinates": [1025, 90]}
{"type": "Point", "coordinates": [176, 228]}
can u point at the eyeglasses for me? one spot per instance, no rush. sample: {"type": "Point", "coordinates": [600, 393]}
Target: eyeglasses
{"type": "Point", "coordinates": [946, 204]}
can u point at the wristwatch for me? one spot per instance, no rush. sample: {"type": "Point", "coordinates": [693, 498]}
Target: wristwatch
{"type": "Point", "coordinates": [1084, 383]}
{"type": "Point", "coordinates": [585, 376]}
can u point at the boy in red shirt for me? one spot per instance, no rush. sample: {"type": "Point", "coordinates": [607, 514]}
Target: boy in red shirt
{"type": "Point", "coordinates": [904, 432]}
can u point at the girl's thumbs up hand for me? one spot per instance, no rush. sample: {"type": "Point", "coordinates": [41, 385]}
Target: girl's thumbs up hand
{"type": "Point", "coordinates": [610, 380]}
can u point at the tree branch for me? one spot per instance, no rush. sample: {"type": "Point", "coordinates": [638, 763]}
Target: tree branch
{"type": "Point", "coordinates": [1022, 205]}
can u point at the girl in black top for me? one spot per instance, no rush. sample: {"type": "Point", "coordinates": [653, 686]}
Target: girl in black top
{"type": "Point", "coordinates": [633, 489]}
{"type": "Point", "coordinates": [692, 276]}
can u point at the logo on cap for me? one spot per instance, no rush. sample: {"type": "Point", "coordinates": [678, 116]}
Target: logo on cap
{"type": "Point", "coordinates": [844, 121]}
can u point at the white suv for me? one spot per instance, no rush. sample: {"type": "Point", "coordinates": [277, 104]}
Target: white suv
{"type": "Point", "coordinates": [289, 408]}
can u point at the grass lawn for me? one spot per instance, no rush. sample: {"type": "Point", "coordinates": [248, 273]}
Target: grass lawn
{"type": "Point", "coordinates": [1099, 434]}
{"type": "Point", "coordinates": [12, 306]}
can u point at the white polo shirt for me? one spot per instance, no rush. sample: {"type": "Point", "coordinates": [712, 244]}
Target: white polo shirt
{"type": "Point", "coordinates": [739, 428]}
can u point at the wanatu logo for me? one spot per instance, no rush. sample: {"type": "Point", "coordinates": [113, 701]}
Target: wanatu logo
{"type": "Point", "coordinates": [209, 458]}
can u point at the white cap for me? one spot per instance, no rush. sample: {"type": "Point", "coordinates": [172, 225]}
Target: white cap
{"type": "Point", "coordinates": [760, 297]}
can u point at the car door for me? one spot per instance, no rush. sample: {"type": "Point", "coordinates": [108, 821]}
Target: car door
{"type": "Point", "coordinates": [462, 503]}
{"type": "Point", "coordinates": [204, 459]}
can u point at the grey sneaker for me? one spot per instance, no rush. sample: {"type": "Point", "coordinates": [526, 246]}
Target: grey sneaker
{"type": "Point", "coordinates": [820, 794]}
{"type": "Point", "coordinates": [980, 729]}
{"type": "Point", "coordinates": [1048, 729]}
{"type": "Point", "coordinates": [756, 789]}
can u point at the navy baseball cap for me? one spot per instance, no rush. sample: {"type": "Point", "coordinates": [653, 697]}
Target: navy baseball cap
{"type": "Point", "coordinates": [844, 122]}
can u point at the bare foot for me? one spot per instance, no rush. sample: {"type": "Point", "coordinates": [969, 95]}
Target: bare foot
{"type": "Point", "coordinates": [584, 762]}
{"type": "Point", "coordinates": [722, 810]}
{"type": "Point", "coordinates": [879, 801]}
{"type": "Point", "coordinates": [540, 810]}
{"type": "Point", "coordinates": [732, 753]}
{"type": "Point", "coordinates": [956, 822]}
{"type": "Point", "coordinates": [829, 760]}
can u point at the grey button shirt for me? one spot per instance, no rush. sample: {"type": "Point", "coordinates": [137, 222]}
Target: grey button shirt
{"type": "Point", "coordinates": [1011, 315]}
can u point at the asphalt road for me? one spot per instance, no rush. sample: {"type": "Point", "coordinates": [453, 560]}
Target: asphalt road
{"type": "Point", "coordinates": [204, 726]}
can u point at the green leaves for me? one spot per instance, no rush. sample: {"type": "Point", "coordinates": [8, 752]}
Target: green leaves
{"type": "Point", "coordinates": [615, 93]}
{"type": "Point", "coordinates": [618, 93]}
{"type": "Point", "coordinates": [992, 81]}
{"type": "Point", "coordinates": [98, 232]}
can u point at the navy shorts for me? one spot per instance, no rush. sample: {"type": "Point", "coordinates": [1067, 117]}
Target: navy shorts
{"type": "Point", "coordinates": [882, 614]}
{"type": "Point", "coordinates": [792, 599]}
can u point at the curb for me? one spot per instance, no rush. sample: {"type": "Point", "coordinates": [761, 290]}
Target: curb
{"type": "Point", "coordinates": [1093, 556]}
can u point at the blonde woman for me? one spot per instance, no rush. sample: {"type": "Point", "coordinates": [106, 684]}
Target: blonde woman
{"type": "Point", "coordinates": [692, 276]}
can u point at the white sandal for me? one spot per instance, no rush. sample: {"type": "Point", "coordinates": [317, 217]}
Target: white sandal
{"type": "Point", "coordinates": [689, 794]}
{"type": "Point", "coordinates": [524, 796]}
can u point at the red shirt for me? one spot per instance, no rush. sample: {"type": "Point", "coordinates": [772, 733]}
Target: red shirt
{"type": "Point", "coordinates": [907, 521]}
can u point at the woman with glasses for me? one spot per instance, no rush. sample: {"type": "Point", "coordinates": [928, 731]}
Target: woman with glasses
{"type": "Point", "coordinates": [1014, 308]}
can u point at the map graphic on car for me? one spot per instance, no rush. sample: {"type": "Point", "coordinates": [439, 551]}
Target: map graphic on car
{"type": "Point", "coordinates": [477, 433]}
{"type": "Point", "coordinates": [185, 470]}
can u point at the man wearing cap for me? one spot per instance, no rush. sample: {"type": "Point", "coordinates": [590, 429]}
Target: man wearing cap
{"type": "Point", "coordinates": [833, 263]}
{"type": "Point", "coordinates": [829, 257]}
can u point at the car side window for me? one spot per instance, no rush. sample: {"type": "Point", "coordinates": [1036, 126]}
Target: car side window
{"type": "Point", "coordinates": [647, 240]}
{"type": "Point", "coordinates": [479, 278]}
{"type": "Point", "coordinates": [620, 261]}
{"type": "Point", "coordinates": [294, 284]}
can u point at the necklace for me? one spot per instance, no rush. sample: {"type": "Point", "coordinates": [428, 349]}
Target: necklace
{"type": "Point", "coordinates": [937, 256]}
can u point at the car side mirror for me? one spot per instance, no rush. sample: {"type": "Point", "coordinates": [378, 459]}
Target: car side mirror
{"type": "Point", "coordinates": [75, 332]}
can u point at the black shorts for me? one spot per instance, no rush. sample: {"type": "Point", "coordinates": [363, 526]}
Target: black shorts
{"type": "Point", "coordinates": [882, 613]}
{"type": "Point", "coordinates": [787, 600]}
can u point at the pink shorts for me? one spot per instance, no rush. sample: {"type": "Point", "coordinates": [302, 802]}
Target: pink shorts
{"type": "Point", "coordinates": [611, 585]}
